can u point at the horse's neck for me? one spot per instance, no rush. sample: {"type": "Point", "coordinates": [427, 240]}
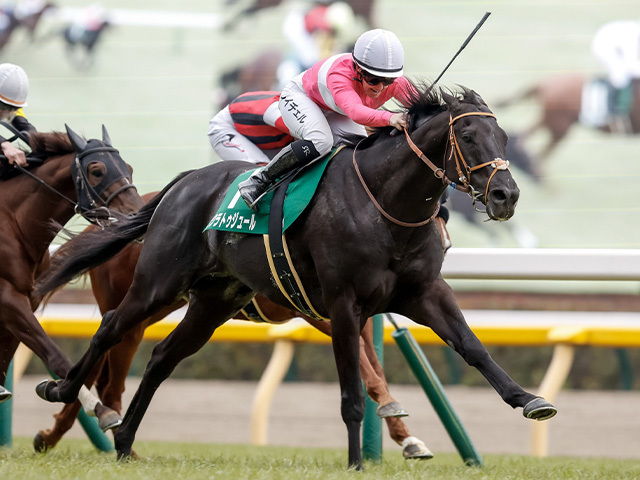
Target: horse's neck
{"type": "Point", "coordinates": [36, 207]}
{"type": "Point", "coordinates": [404, 183]}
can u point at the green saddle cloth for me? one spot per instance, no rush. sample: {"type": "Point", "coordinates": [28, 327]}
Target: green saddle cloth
{"type": "Point", "coordinates": [235, 216]}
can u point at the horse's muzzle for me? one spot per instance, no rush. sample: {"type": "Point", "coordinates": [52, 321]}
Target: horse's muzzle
{"type": "Point", "coordinates": [501, 203]}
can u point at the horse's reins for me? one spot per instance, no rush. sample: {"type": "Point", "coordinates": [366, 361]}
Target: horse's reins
{"type": "Point", "coordinates": [76, 205]}
{"type": "Point", "coordinates": [466, 187]}
{"type": "Point", "coordinates": [39, 180]}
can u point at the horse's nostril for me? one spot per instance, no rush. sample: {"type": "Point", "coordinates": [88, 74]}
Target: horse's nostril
{"type": "Point", "coordinates": [498, 196]}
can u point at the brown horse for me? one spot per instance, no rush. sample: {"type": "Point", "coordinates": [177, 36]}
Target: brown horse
{"type": "Point", "coordinates": [68, 175]}
{"type": "Point", "coordinates": [560, 98]}
{"type": "Point", "coordinates": [110, 283]}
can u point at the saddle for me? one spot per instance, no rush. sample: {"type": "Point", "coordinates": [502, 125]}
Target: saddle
{"type": "Point", "coordinates": [285, 203]}
{"type": "Point", "coordinates": [234, 215]}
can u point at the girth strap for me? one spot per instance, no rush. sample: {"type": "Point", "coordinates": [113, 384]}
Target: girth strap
{"type": "Point", "coordinates": [279, 259]}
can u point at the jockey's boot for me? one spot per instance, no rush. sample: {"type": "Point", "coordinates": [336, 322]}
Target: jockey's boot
{"type": "Point", "coordinates": [295, 155]}
{"type": "Point", "coordinates": [4, 394]}
{"type": "Point", "coordinates": [441, 222]}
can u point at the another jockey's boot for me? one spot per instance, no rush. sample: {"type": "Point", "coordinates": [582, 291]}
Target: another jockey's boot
{"type": "Point", "coordinates": [295, 155]}
{"type": "Point", "coordinates": [4, 394]}
{"type": "Point", "coordinates": [441, 222]}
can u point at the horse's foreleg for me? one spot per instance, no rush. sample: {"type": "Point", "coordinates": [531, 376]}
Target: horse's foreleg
{"type": "Point", "coordinates": [439, 310]}
{"type": "Point", "coordinates": [111, 382]}
{"type": "Point", "coordinates": [345, 326]}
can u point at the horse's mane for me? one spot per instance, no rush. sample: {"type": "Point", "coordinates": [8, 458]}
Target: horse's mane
{"type": "Point", "coordinates": [50, 144]}
{"type": "Point", "coordinates": [423, 100]}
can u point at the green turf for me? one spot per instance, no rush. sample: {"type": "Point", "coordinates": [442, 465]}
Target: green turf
{"type": "Point", "coordinates": [76, 459]}
{"type": "Point", "coordinates": [154, 89]}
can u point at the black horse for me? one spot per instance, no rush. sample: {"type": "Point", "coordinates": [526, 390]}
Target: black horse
{"type": "Point", "coordinates": [363, 246]}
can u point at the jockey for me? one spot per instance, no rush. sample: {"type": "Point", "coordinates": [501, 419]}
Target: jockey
{"type": "Point", "coordinates": [336, 96]}
{"type": "Point", "coordinates": [617, 45]}
{"type": "Point", "coordinates": [14, 88]}
{"type": "Point", "coordinates": [250, 128]}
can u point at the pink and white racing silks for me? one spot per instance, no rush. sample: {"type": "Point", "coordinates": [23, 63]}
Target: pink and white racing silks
{"type": "Point", "coordinates": [333, 85]}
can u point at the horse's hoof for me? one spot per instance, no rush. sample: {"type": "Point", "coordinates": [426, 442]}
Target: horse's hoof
{"type": "Point", "coordinates": [539, 409]}
{"type": "Point", "coordinates": [43, 389]}
{"type": "Point", "coordinates": [109, 420]}
{"type": "Point", "coordinates": [126, 457]}
{"type": "Point", "coordinates": [40, 445]}
{"type": "Point", "coordinates": [4, 394]}
{"type": "Point", "coordinates": [393, 409]}
{"type": "Point", "coordinates": [415, 449]}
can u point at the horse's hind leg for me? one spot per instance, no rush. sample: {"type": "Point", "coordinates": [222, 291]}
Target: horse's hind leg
{"type": "Point", "coordinates": [438, 309]}
{"type": "Point", "coordinates": [136, 306]}
{"type": "Point", "coordinates": [199, 323]}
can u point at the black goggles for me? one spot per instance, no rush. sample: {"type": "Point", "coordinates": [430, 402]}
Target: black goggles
{"type": "Point", "coordinates": [373, 80]}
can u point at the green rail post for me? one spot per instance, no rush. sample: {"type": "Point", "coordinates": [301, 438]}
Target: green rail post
{"type": "Point", "coordinates": [92, 429]}
{"type": "Point", "coordinates": [6, 412]}
{"type": "Point", "coordinates": [433, 388]}
{"type": "Point", "coordinates": [372, 424]}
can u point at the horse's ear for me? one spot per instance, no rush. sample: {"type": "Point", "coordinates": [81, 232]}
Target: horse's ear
{"type": "Point", "coordinates": [478, 100]}
{"type": "Point", "coordinates": [79, 143]}
{"type": "Point", "coordinates": [451, 100]}
{"type": "Point", "coordinates": [105, 136]}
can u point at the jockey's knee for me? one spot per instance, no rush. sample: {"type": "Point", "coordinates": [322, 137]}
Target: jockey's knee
{"type": "Point", "coordinates": [323, 146]}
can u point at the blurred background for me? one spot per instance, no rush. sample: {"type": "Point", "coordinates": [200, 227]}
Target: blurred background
{"type": "Point", "coordinates": [155, 72]}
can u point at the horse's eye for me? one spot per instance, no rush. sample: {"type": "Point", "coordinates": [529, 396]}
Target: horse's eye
{"type": "Point", "coordinates": [97, 173]}
{"type": "Point", "coordinates": [466, 137]}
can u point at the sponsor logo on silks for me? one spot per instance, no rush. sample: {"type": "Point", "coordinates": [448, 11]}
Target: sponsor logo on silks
{"type": "Point", "coordinates": [230, 144]}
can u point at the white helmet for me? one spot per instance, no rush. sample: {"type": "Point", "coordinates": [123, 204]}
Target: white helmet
{"type": "Point", "coordinates": [340, 16]}
{"type": "Point", "coordinates": [14, 85]}
{"type": "Point", "coordinates": [380, 53]}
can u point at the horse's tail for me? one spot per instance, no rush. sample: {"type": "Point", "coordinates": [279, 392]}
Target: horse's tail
{"type": "Point", "coordinates": [94, 247]}
{"type": "Point", "coordinates": [506, 102]}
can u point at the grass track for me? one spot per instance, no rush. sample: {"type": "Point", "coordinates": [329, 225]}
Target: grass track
{"type": "Point", "coordinates": [76, 459]}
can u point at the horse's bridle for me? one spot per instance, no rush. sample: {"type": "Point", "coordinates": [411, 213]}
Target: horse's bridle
{"type": "Point", "coordinates": [81, 183]}
{"type": "Point", "coordinates": [93, 195]}
{"type": "Point", "coordinates": [464, 177]}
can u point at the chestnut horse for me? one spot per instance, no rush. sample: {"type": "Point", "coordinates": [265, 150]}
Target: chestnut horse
{"type": "Point", "coordinates": [110, 283]}
{"type": "Point", "coordinates": [352, 253]}
{"type": "Point", "coordinates": [560, 98]}
{"type": "Point", "coordinates": [68, 174]}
